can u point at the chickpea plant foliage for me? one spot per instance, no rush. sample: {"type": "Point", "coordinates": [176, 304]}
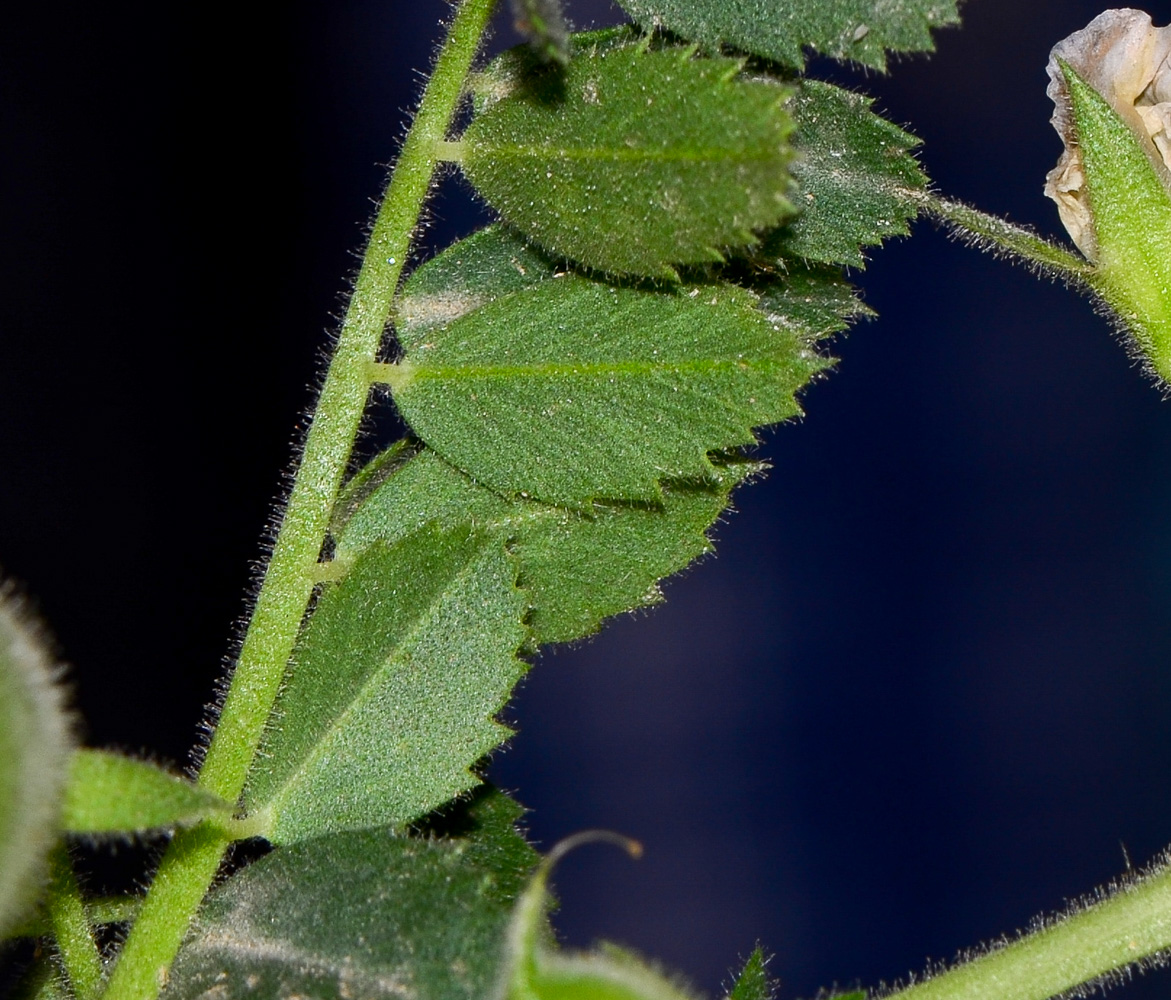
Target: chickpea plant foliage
{"type": "Point", "coordinates": [422, 914]}
{"type": "Point", "coordinates": [580, 381]}
{"type": "Point", "coordinates": [392, 690]}
{"type": "Point", "coordinates": [858, 182]}
{"type": "Point", "coordinates": [545, 392]}
{"type": "Point", "coordinates": [861, 31]}
{"type": "Point", "coordinates": [642, 158]}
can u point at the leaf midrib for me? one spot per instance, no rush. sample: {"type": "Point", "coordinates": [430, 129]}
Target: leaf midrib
{"type": "Point", "coordinates": [623, 154]}
{"type": "Point", "coordinates": [552, 370]}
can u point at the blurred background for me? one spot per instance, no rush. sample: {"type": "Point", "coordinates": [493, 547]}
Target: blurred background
{"type": "Point", "coordinates": [919, 696]}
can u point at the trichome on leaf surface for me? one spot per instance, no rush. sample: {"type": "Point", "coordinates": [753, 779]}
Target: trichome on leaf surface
{"type": "Point", "coordinates": [584, 382]}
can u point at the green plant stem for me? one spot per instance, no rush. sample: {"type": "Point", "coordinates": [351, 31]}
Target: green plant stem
{"type": "Point", "coordinates": [191, 862]}
{"type": "Point", "coordinates": [289, 578]}
{"type": "Point", "coordinates": [71, 930]}
{"type": "Point", "coordinates": [105, 910]}
{"type": "Point", "coordinates": [1132, 924]}
{"type": "Point", "coordinates": [990, 232]}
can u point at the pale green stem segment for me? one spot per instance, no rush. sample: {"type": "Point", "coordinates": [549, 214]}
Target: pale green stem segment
{"type": "Point", "coordinates": [289, 578]}
{"type": "Point", "coordinates": [1132, 924]}
{"type": "Point", "coordinates": [397, 376]}
{"type": "Point", "coordinates": [194, 856]}
{"type": "Point", "coordinates": [451, 152]}
{"type": "Point", "coordinates": [71, 929]}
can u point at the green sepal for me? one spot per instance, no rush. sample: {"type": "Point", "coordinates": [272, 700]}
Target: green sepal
{"type": "Point", "coordinates": [109, 793]}
{"type": "Point", "coordinates": [861, 31]}
{"type": "Point", "coordinates": [365, 914]}
{"type": "Point", "coordinates": [1131, 207]}
{"type": "Point", "coordinates": [576, 567]}
{"type": "Point", "coordinates": [858, 183]}
{"type": "Point", "coordinates": [393, 688]}
{"type": "Point", "coordinates": [633, 160]}
{"type": "Point", "coordinates": [34, 753]}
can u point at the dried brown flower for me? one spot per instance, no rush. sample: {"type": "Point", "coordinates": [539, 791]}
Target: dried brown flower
{"type": "Point", "coordinates": [1128, 61]}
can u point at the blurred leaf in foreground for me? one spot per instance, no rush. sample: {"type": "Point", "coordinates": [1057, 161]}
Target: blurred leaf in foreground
{"type": "Point", "coordinates": [367, 914]}
{"type": "Point", "coordinates": [34, 754]}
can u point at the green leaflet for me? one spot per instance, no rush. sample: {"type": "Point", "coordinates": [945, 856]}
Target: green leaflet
{"type": "Point", "coordinates": [109, 793]}
{"type": "Point", "coordinates": [365, 914]}
{"type": "Point", "coordinates": [858, 30]}
{"type": "Point", "coordinates": [34, 751]}
{"type": "Point", "coordinates": [631, 160]}
{"type": "Point", "coordinates": [858, 183]}
{"type": "Point", "coordinates": [392, 688]}
{"type": "Point", "coordinates": [753, 983]}
{"type": "Point", "coordinates": [816, 301]}
{"type": "Point", "coordinates": [572, 389]}
{"type": "Point", "coordinates": [576, 567]}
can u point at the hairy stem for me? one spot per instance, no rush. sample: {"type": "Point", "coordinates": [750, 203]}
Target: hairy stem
{"type": "Point", "coordinates": [71, 928]}
{"type": "Point", "coordinates": [1128, 926]}
{"type": "Point", "coordinates": [289, 578]}
{"type": "Point", "coordinates": [990, 232]}
{"type": "Point", "coordinates": [191, 862]}
{"type": "Point", "coordinates": [106, 910]}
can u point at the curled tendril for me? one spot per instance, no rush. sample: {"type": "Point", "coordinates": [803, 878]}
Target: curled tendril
{"type": "Point", "coordinates": [534, 968]}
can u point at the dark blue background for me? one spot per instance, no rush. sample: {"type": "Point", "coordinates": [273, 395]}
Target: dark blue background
{"type": "Point", "coordinates": [919, 696]}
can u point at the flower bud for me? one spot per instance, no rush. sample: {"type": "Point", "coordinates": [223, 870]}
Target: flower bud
{"type": "Point", "coordinates": [1111, 88]}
